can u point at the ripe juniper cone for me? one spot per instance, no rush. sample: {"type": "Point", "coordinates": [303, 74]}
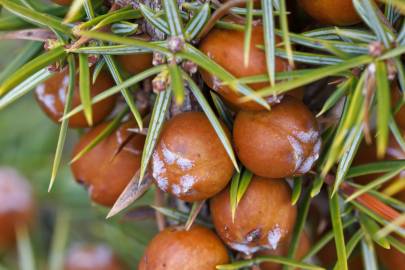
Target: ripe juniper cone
{"type": "Point", "coordinates": [279, 143]}
{"type": "Point", "coordinates": [304, 245]}
{"type": "Point", "coordinates": [226, 47]}
{"type": "Point", "coordinates": [333, 12]}
{"type": "Point", "coordinates": [264, 218]}
{"type": "Point", "coordinates": [16, 205]}
{"type": "Point", "coordinates": [110, 165]}
{"type": "Point", "coordinates": [174, 248]}
{"type": "Point", "coordinates": [136, 63]}
{"type": "Point", "coordinates": [91, 257]}
{"type": "Point", "coordinates": [51, 96]}
{"type": "Point", "coordinates": [189, 160]}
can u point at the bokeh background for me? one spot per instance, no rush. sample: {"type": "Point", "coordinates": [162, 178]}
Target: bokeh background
{"type": "Point", "coordinates": [65, 216]}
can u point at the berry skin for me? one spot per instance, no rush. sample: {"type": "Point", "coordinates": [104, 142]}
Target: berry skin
{"type": "Point", "coordinates": [333, 12]}
{"type": "Point", "coordinates": [189, 160]}
{"type": "Point", "coordinates": [174, 248]}
{"type": "Point", "coordinates": [90, 257]}
{"type": "Point", "coordinates": [16, 205]}
{"type": "Point", "coordinates": [225, 47]}
{"type": "Point", "coordinates": [110, 165]}
{"type": "Point", "coordinates": [279, 143]}
{"type": "Point", "coordinates": [136, 63]}
{"type": "Point", "coordinates": [264, 218]}
{"type": "Point", "coordinates": [51, 96]}
{"type": "Point", "coordinates": [304, 246]}
{"type": "Point", "coordinates": [62, 2]}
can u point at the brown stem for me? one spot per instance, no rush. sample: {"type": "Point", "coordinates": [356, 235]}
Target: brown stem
{"type": "Point", "coordinates": [218, 14]}
{"type": "Point", "coordinates": [79, 42]}
{"type": "Point", "coordinates": [123, 144]}
{"type": "Point", "coordinates": [159, 201]}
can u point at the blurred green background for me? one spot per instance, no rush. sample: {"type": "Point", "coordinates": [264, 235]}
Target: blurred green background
{"type": "Point", "coordinates": [27, 143]}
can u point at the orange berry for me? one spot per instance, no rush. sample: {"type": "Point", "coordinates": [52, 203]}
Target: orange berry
{"type": "Point", "coordinates": [110, 165]}
{"type": "Point", "coordinates": [264, 218]}
{"type": "Point", "coordinates": [189, 160]}
{"type": "Point", "coordinates": [51, 96]}
{"type": "Point", "coordinates": [174, 248]}
{"type": "Point", "coordinates": [136, 63]}
{"type": "Point", "coordinates": [279, 143]}
{"type": "Point", "coordinates": [226, 48]}
{"type": "Point", "coordinates": [334, 12]}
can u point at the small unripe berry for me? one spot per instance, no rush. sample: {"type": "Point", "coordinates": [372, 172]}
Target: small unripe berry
{"type": "Point", "coordinates": [16, 205]}
{"type": "Point", "coordinates": [279, 143]}
{"type": "Point", "coordinates": [189, 160]}
{"type": "Point", "coordinates": [264, 218]}
{"type": "Point", "coordinates": [51, 96]}
{"type": "Point", "coordinates": [174, 248]}
{"type": "Point", "coordinates": [91, 257]}
{"type": "Point", "coordinates": [110, 165]}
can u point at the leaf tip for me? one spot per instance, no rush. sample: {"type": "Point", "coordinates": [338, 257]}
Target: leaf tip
{"type": "Point", "coordinates": [74, 159]}
{"type": "Point", "coordinates": [110, 214]}
{"type": "Point", "coordinates": [51, 183]}
{"type": "Point", "coordinates": [89, 118]}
